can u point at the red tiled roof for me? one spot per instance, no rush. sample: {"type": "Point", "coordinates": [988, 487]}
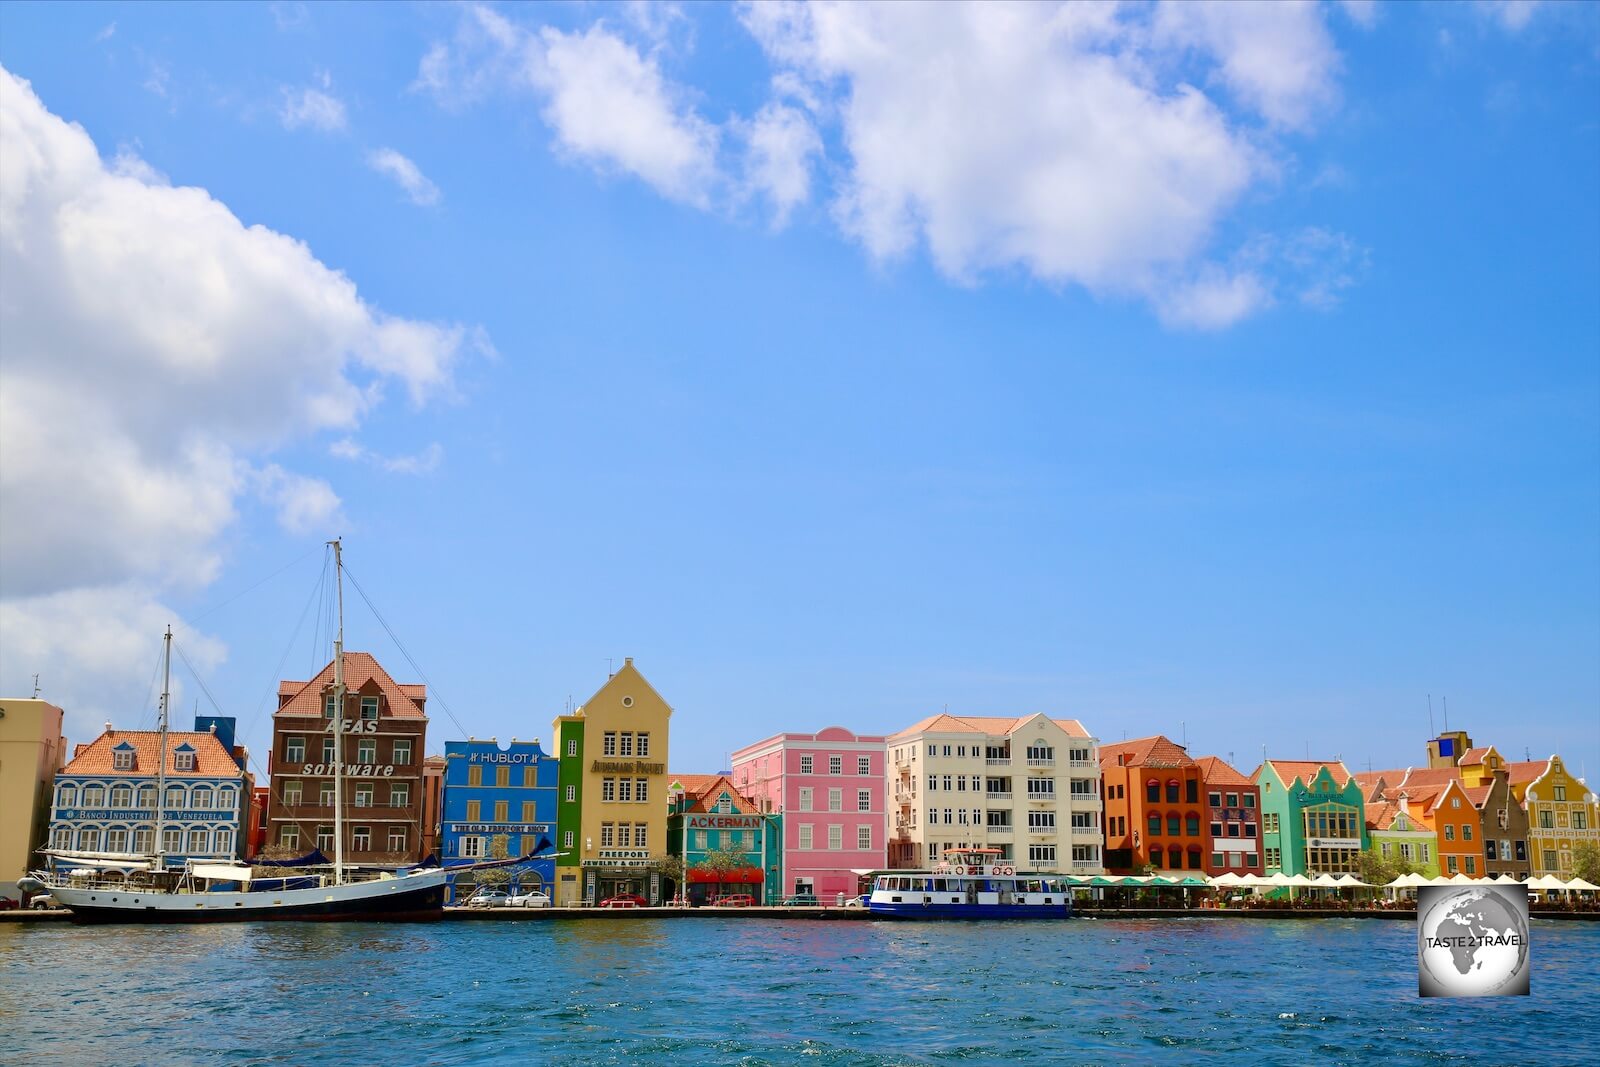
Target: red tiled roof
{"type": "Point", "coordinates": [1478, 793]}
{"type": "Point", "coordinates": [1525, 771]}
{"type": "Point", "coordinates": [704, 790]}
{"type": "Point", "coordinates": [1440, 776]}
{"type": "Point", "coordinates": [1218, 771]}
{"type": "Point", "coordinates": [211, 758]}
{"type": "Point", "coordinates": [982, 724]}
{"type": "Point", "coordinates": [1473, 756]}
{"type": "Point", "coordinates": [1157, 751]}
{"type": "Point", "coordinates": [360, 669]}
{"type": "Point", "coordinates": [1305, 770]}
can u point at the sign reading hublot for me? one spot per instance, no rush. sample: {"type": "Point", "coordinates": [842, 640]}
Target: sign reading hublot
{"type": "Point", "coordinates": [503, 757]}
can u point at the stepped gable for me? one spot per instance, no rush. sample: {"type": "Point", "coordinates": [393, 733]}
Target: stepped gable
{"type": "Point", "coordinates": [1157, 751]}
{"type": "Point", "coordinates": [1305, 770]}
{"type": "Point", "coordinates": [982, 724]}
{"type": "Point", "coordinates": [211, 759]}
{"type": "Point", "coordinates": [1218, 771]}
{"type": "Point", "coordinates": [361, 673]}
{"type": "Point", "coordinates": [705, 790]}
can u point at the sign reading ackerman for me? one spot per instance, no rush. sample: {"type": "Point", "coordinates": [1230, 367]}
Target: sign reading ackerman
{"type": "Point", "coordinates": [1472, 940]}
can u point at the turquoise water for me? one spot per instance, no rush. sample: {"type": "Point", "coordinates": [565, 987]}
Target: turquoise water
{"type": "Point", "coordinates": [774, 991]}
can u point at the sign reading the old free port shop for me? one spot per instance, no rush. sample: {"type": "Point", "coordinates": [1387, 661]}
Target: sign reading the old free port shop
{"type": "Point", "coordinates": [1472, 940]}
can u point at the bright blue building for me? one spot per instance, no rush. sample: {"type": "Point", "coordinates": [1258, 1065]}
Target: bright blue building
{"type": "Point", "coordinates": [499, 803]}
{"type": "Point", "coordinates": [105, 798]}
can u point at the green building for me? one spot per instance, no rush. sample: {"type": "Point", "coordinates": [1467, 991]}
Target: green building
{"type": "Point", "coordinates": [728, 845]}
{"type": "Point", "coordinates": [1313, 818]}
{"type": "Point", "coordinates": [569, 808]}
{"type": "Point", "coordinates": [1398, 834]}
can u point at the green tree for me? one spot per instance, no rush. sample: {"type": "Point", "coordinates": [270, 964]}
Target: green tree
{"type": "Point", "coordinates": [1586, 862]}
{"type": "Point", "coordinates": [722, 861]}
{"type": "Point", "coordinates": [498, 850]}
{"type": "Point", "coordinates": [1377, 869]}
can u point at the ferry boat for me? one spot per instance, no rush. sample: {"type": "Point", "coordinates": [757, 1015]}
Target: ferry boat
{"type": "Point", "coordinates": [974, 883]}
{"type": "Point", "coordinates": [131, 888]}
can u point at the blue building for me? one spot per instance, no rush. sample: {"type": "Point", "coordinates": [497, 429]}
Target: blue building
{"type": "Point", "coordinates": [105, 798]}
{"type": "Point", "coordinates": [498, 803]}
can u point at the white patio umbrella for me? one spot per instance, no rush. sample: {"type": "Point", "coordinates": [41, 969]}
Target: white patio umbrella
{"type": "Point", "coordinates": [1505, 879]}
{"type": "Point", "coordinates": [1461, 879]}
{"type": "Point", "coordinates": [1227, 881]}
{"type": "Point", "coordinates": [1325, 881]}
{"type": "Point", "coordinates": [1583, 884]}
{"type": "Point", "coordinates": [1350, 881]}
{"type": "Point", "coordinates": [1547, 883]}
{"type": "Point", "coordinates": [1299, 880]}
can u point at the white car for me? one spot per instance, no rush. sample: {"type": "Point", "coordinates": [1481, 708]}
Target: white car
{"type": "Point", "coordinates": [488, 897]}
{"type": "Point", "coordinates": [527, 900]}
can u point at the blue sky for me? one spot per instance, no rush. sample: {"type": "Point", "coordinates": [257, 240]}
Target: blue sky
{"type": "Point", "coordinates": [1208, 370]}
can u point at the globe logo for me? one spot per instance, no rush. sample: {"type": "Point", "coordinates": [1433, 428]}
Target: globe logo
{"type": "Point", "coordinates": [1472, 941]}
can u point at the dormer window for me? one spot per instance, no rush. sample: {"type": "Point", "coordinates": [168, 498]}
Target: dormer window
{"type": "Point", "coordinates": [183, 758]}
{"type": "Point", "coordinates": [369, 707]}
{"type": "Point", "coordinates": [330, 705]}
{"type": "Point", "coordinates": [122, 757]}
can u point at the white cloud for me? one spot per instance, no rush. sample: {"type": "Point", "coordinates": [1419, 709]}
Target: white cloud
{"type": "Point", "coordinates": [611, 106]}
{"type": "Point", "coordinates": [1277, 58]}
{"type": "Point", "coordinates": [1212, 300]}
{"type": "Point", "coordinates": [781, 142]}
{"type": "Point", "coordinates": [95, 651]}
{"type": "Point", "coordinates": [311, 107]}
{"type": "Point", "coordinates": [418, 188]}
{"type": "Point", "coordinates": [290, 16]}
{"type": "Point", "coordinates": [1363, 13]}
{"type": "Point", "coordinates": [106, 33]}
{"type": "Point", "coordinates": [156, 349]}
{"type": "Point", "coordinates": [425, 462]}
{"type": "Point", "coordinates": [1510, 15]}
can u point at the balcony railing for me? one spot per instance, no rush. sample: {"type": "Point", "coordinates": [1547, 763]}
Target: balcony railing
{"type": "Point", "coordinates": [1085, 865]}
{"type": "Point", "coordinates": [1081, 763]}
{"type": "Point", "coordinates": [998, 796]}
{"type": "Point", "coordinates": [999, 831]}
{"type": "Point", "coordinates": [998, 761]}
{"type": "Point", "coordinates": [1086, 831]}
{"type": "Point", "coordinates": [1034, 761]}
{"type": "Point", "coordinates": [1047, 831]}
{"type": "Point", "coordinates": [1040, 796]}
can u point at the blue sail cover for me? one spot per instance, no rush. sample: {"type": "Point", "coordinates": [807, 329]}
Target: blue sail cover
{"type": "Point", "coordinates": [544, 844]}
{"type": "Point", "coordinates": [314, 858]}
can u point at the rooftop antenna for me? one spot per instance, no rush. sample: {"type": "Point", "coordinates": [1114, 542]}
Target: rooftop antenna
{"type": "Point", "coordinates": [1527, 753]}
{"type": "Point", "coordinates": [36, 687]}
{"type": "Point", "coordinates": [609, 671]}
{"type": "Point", "coordinates": [1308, 749]}
{"type": "Point", "coordinates": [1444, 703]}
{"type": "Point", "coordinates": [1230, 757]}
{"type": "Point", "coordinates": [1183, 725]}
{"type": "Point", "coordinates": [1430, 714]}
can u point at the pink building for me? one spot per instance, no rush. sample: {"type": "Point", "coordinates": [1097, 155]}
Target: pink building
{"type": "Point", "coordinates": [831, 790]}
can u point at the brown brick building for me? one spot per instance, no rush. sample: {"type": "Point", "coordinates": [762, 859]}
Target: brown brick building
{"type": "Point", "coordinates": [384, 797]}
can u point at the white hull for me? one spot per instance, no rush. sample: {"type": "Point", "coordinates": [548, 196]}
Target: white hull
{"type": "Point", "coordinates": [416, 895]}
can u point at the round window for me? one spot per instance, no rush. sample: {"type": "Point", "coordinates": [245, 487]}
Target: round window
{"type": "Point", "coordinates": [627, 702]}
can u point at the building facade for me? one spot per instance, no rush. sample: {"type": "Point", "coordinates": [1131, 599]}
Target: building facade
{"type": "Point", "coordinates": [1459, 827]}
{"type": "Point", "coordinates": [1313, 818]}
{"type": "Point", "coordinates": [499, 803]}
{"type": "Point", "coordinates": [1398, 832]}
{"type": "Point", "coordinates": [1561, 810]}
{"type": "Point", "coordinates": [105, 797]}
{"type": "Point", "coordinates": [612, 802]}
{"type": "Point", "coordinates": [1233, 818]}
{"type": "Point", "coordinates": [1155, 813]}
{"type": "Point", "coordinates": [385, 729]}
{"type": "Point", "coordinates": [32, 750]}
{"type": "Point", "coordinates": [1028, 787]}
{"type": "Point", "coordinates": [831, 791]}
{"type": "Point", "coordinates": [713, 820]}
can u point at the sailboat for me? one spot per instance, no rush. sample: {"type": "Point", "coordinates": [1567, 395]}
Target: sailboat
{"type": "Point", "coordinates": [102, 887]}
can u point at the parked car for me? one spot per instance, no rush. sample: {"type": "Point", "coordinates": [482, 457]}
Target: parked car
{"type": "Point", "coordinates": [734, 900]}
{"type": "Point", "coordinates": [489, 897]}
{"type": "Point", "coordinates": [42, 901]}
{"type": "Point", "coordinates": [9, 903]}
{"type": "Point", "coordinates": [529, 899]}
{"type": "Point", "coordinates": [802, 900]}
{"type": "Point", "coordinates": [856, 902]}
{"type": "Point", "coordinates": [623, 900]}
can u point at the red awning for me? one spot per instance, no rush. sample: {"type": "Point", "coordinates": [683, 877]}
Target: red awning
{"type": "Point", "coordinates": [738, 876]}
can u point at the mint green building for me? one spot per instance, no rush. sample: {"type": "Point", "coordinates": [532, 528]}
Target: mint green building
{"type": "Point", "coordinates": [1313, 818]}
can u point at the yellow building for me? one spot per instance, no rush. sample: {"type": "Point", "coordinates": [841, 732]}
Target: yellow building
{"type": "Point", "coordinates": [32, 750]}
{"type": "Point", "coordinates": [611, 807]}
{"type": "Point", "coordinates": [1562, 812]}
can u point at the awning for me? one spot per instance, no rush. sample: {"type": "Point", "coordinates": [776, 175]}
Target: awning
{"type": "Point", "coordinates": [220, 872]}
{"type": "Point", "coordinates": [737, 876]}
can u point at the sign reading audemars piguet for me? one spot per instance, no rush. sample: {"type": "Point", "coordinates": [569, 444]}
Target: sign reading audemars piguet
{"type": "Point", "coordinates": [627, 766]}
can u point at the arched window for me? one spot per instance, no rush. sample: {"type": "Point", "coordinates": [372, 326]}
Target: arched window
{"type": "Point", "coordinates": [224, 842]}
{"type": "Point", "coordinates": [1152, 791]}
{"type": "Point", "coordinates": [89, 839]}
{"type": "Point", "coordinates": [121, 797]}
{"type": "Point", "coordinates": [147, 796]}
{"type": "Point", "coordinates": [175, 798]}
{"type": "Point", "coordinates": [1155, 826]}
{"type": "Point", "coordinates": [67, 796]}
{"type": "Point", "coordinates": [1192, 825]}
{"type": "Point", "coordinates": [1194, 859]}
{"type": "Point", "coordinates": [1172, 791]}
{"type": "Point", "coordinates": [226, 800]}
{"type": "Point", "coordinates": [61, 837]}
{"type": "Point", "coordinates": [94, 796]}
{"type": "Point", "coordinates": [1175, 858]}
{"type": "Point", "coordinates": [200, 797]}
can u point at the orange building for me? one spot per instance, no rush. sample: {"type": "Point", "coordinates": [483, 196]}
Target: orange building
{"type": "Point", "coordinates": [1458, 823]}
{"type": "Point", "coordinates": [1155, 807]}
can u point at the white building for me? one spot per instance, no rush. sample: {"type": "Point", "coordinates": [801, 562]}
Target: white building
{"type": "Point", "coordinates": [1027, 786]}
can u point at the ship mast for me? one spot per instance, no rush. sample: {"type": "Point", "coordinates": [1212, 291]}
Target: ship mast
{"type": "Point", "coordinates": [161, 757]}
{"type": "Point", "coordinates": [338, 723]}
